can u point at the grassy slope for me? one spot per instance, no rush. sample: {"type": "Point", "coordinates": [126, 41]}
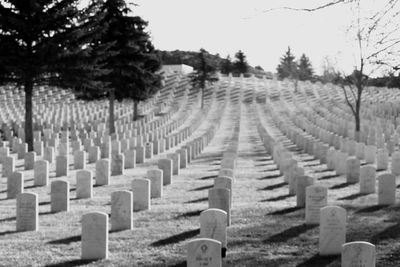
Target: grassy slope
{"type": "Point", "coordinates": [267, 229]}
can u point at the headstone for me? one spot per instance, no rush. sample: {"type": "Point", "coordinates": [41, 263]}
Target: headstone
{"type": "Point", "coordinates": [79, 159]}
{"type": "Point", "coordinates": [117, 164]}
{"type": "Point", "coordinates": [149, 151]}
{"type": "Point", "coordinates": [59, 196]}
{"type": "Point", "coordinates": [332, 230]}
{"type": "Point", "coordinates": [353, 170]}
{"type": "Point", "coordinates": [358, 254]}
{"type": "Point", "coordinates": [224, 182]}
{"type": "Point", "coordinates": [382, 159]}
{"type": "Point", "coordinates": [140, 154]}
{"type": "Point", "coordinates": [226, 173]}
{"type": "Point", "coordinates": [316, 198]}
{"type": "Point", "coordinates": [94, 154]}
{"type": "Point", "coordinates": [219, 198]}
{"type": "Point", "coordinates": [103, 172]}
{"type": "Point", "coordinates": [182, 153]}
{"type": "Point", "coordinates": [213, 224]}
{"type": "Point", "coordinates": [22, 149]}
{"type": "Point", "coordinates": [228, 163]}
{"type": "Point", "coordinates": [94, 236]}
{"type": "Point", "coordinates": [204, 252]}
{"type": "Point", "coordinates": [367, 179]}
{"type": "Point", "coordinates": [141, 194]}
{"type": "Point", "coordinates": [84, 184]}
{"type": "Point", "coordinates": [175, 162]}
{"type": "Point", "coordinates": [130, 159]}
{"type": "Point", "coordinates": [302, 183]}
{"type": "Point", "coordinates": [29, 160]}
{"type": "Point", "coordinates": [62, 166]}
{"type": "Point", "coordinates": [8, 166]}
{"type": "Point", "coordinates": [396, 163]}
{"type": "Point", "coordinates": [121, 210]}
{"type": "Point", "coordinates": [166, 166]}
{"type": "Point", "coordinates": [27, 212]}
{"type": "Point", "coordinates": [41, 173]}
{"type": "Point", "coordinates": [156, 182]}
{"type": "Point", "coordinates": [386, 189]}
{"type": "Point", "coordinates": [370, 154]}
{"type": "Point", "coordinates": [49, 154]}
{"type": "Point", "coordinates": [15, 184]}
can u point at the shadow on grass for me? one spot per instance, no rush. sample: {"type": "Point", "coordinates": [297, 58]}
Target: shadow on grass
{"type": "Point", "coordinates": [270, 170]}
{"type": "Point", "coordinates": [330, 176]}
{"type": "Point", "coordinates": [31, 186]}
{"type": "Point", "coordinates": [71, 263]}
{"type": "Point", "coordinates": [319, 261]}
{"type": "Point", "coordinates": [391, 232]}
{"type": "Point", "coordinates": [43, 203]}
{"type": "Point", "coordinates": [189, 214]}
{"type": "Point", "coordinates": [312, 165]}
{"type": "Point", "coordinates": [197, 200]}
{"type": "Point", "coordinates": [309, 159]}
{"type": "Point", "coordinates": [353, 196]}
{"type": "Point", "coordinates": [65, 241]}
{"type": "Point", "coordinates": [176, 238]}
{"type": "Point", "coordinates": [285, 211]}
{"type": "Point", "coordinates": [272, 187]}
{"type": "Point", "coordinates": [342, 185]}
{"type": "Point", "coordinates": [8, 219]}
{"type": "Point", "coordinates": [8, 232]}
{"type": "Point", "coordinates": [323, 170]}
{"type": "Point", "coordinates": [207, 177]}
{"type": "Point", "coordinates": [273, 176]}
{"type": "Point", "coordinates": [278, 198]}
{"type": "Point", "coordinates": [289, 233]}
{"type": "Point", "coordinates": [202, 188]}
{"type": "Point", "coordinates": [179, 264]}
{"type": "Point", "coordinates": [371, 208]}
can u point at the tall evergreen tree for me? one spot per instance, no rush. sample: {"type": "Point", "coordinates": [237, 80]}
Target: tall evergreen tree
{"type": "Point", "coordinates": [204, 73]}
{"type": "Point", "coordinates": [132, 60]}
{"type": "Point", "coordinates": [287, 67]}
{"type": "Point", "coordinates": [42, 42]}
{"type": "Point", "coordinates": [240, 63]}
{"type": "Point", "coordinates": [226, 65]}
{"type": "Point", "coordinates": [305, 70]}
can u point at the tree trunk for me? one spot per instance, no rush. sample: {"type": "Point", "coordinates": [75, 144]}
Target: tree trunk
{"type": "Point", "coordinates": [202, 97]}
{"type": "Point", "coordinates": [135, 110]}
{"type": "Point", "coordinates": [111, 98]}
{"type": "Point", "coordinates": [357, 133]}
{"type": "Point", "coordinates": [28, 113]}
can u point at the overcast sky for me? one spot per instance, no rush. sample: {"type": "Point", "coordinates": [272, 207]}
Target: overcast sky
{"type": "Point", "coordinates": [225, 26]}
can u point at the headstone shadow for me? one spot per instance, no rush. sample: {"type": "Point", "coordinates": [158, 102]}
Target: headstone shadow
{"type": "Point", "coordinates": [273, 176]}
{"type": "Point", "coordinates": [272, 187]}
{"type": "Point", "coordinates": [207, 177]}
{"type": "Point", "coordinates": [319, 261]}
{"type": "Point", "coordinates": [197, 200]}
{"type": "Point", "coordinates": [278, 198]}
{"type": "Point", "coordinates": [371, 208]}
{"type": "Point", "coordinates": [289, 233]}
{"type": "Point", "coordinates": [353, 196]}
{"type": "Point", "coordinates": [202, 188]}
{"type": "Point", "coordinates": [330, 176]}
{"type": "Point", "coordinates": [66, 240]}
{"type": "Point", "coordinates": [340, 186]}
{"type": "Point", "coordinates": [176, 238]}
{"type": "Point", "coordinates": [285, 211]}
{"type": "Point", "coordinates": [71, 263]}
{"type": "Point", "coordinates": [8, 232]}
{"type": "Point", "coordinates": [189, 214]}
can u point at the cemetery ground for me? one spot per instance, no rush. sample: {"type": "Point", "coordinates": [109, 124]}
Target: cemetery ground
{"type": "Point", "coordinates": [267, 228]}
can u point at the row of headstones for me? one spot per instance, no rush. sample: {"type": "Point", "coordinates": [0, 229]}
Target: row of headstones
{"type": "Point", "coordinates": [81, 107]}
{"type": "Point", "coordinates": [95, 235]}
{"type": "Point", "coordinates": [214, 220]}
{"type": "Point", "coordinates": [332, 221]}
{"type": "Point", "coordinates": [350, 166]}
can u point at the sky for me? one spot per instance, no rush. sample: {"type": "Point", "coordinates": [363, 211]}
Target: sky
{"type": "Point", "coordinates": [226, 26]}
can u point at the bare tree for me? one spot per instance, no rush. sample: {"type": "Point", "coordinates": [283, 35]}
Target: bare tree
{"type": "Point", "coordinates": [375, 31]}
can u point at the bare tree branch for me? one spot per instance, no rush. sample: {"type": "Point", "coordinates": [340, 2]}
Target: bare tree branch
{"type": "Point", "coordinates": [347, 99]}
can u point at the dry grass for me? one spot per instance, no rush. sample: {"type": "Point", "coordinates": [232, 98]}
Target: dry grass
{"type": "Point", "coordinates": [267, 229]}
